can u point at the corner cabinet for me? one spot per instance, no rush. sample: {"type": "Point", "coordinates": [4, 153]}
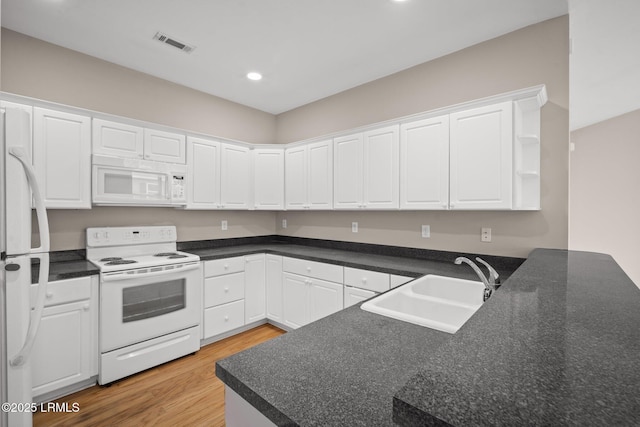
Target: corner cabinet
{"type": "Point", "coordinates": [62, 158]}
{"type": "Point", "coordinates": [366, 170]}
{"type": "Point", "coordinates": [268, 178]}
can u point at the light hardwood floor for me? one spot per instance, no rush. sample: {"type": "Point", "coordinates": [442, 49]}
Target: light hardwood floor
{"type": "Point", "coordinates": [184, 392]}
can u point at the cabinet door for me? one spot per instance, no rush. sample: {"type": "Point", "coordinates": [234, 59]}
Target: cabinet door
{"type": "Point", "coordinates": [325, 298]}
{"type": "Point", "coordinates": [61, 354]}
{"type": "Point", "coordinates": [320, 175]}
{"type": "Point", "coordinates": [295, 296]}
{"type": "Point", "coordinates": [117, 139]}
{"type": "Point", "coordinates": [381, 163]}
{"type": "Point", "coordinates": [268, 178]}
{"type": "Point", "coordinates": [347, 185]}
{"type": "Point", "coordinates": [254, 288]}
{"type": "Point", "coordinates": [235, 169]}
{"type": "Point", "coordinates": [424, 164]}
{"type": "Point", "coordinates": [481, 157]}
{"type": "Point", "coordinates": [164, 146]}
{"type": "Point", "coordinates": [353, 296]}
{"type": "Point", "coordinates": [296, 177]}
{"type": "Point", "coordinates": [203, 161]}
{"type": "Point", "coordinates": [62, 158]}
{"type": "Point", "coordinates": [273, 274]}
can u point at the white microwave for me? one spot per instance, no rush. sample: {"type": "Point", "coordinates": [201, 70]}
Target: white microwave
{"type": "Point", "coordinates": [123, 181]}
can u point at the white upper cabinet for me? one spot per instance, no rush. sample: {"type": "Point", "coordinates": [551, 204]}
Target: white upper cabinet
{"type": "Point", "coordinates": [203, 182]}
{"type": "Point", "coordinates": [236, 177]}
{"type": "Point", "coordinates": [124, 140]}
{"type": "Point", "coordinates": [117, 139]}
{"type": "Point", "coordinates": [366, 169]}
{"type": "Point", "coordinates": [164, 146]}
{"type": "Point", "coordinates": [424, 164]}
{"type": "Point", "coordinates": [62, 158]}
{"type": "Point", "coordinates": [309, 176]}
{"type": "Point", "coordinates": [481, 145]}
{"type": "Point", "coordinates": [380, 184]}
{"type": "Point", "coordinates": [268, 178]}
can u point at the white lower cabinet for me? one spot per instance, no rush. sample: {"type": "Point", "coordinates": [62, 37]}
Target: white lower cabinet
{"type": "Point", "coordinates": [273, 275]}
{"type": "Point", "coordinates": [305, 300]}
{"type": "Point", "coordinates": [353, 295]}
{"type": "Point", "coordinates": [65, 351]}
{"type": "Point", "coordinates": [254, 288]}
{"type": "Point", "coordinates": [224, 294]}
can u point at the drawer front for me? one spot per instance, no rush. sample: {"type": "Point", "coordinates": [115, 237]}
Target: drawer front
{"type": "Point", "coordinates": [223, 266]}
{"type": "Point", "coordinates": [365, 279]}
{"type": "Point", "coordinates": [223, 318]}
{"type": "Point", "coordinates": [399, 280]}
{"type": "Point", "coordinates": [63, 291]}
{"type": "Point", "coordinates": [223, 289]}
{"type": "Point", "coordinates": [319, 270]}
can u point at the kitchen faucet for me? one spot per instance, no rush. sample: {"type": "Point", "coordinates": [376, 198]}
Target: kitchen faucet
{"type": "Point", "coordinates": [489, 284]}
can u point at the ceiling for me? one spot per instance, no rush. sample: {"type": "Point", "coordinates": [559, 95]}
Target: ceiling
{"type": "Point", "coordinates": [305, 49]}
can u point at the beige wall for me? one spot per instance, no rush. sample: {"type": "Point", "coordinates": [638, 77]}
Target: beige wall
{"type": "Point", "coordinates": [31, 67]}
{"type": "Point", "coordinates": [604, 195]}
{"type": "Point", "coordinates": [533, 55]}
{"type": "Point", "coordinates": [42, 70]}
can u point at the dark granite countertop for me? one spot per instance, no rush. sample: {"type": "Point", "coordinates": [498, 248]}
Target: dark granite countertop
{"type": "Point", "coordinates": [557, 344]}
{"type": "Point", "coordinates": [64, 265]}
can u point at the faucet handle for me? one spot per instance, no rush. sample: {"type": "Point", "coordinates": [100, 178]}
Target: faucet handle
{"type": "Point", "coordinates": [494, 277]}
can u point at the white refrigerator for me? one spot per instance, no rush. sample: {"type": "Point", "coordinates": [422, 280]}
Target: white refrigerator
{"type": "Point", "coordinates": [20, 316]}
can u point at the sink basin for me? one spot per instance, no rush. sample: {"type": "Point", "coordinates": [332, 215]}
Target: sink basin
{"type": "Point", "coordinates": [437, 302]}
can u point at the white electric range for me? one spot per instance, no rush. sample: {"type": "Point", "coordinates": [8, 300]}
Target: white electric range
{"type": "Point", "coordinates": [150, 297]}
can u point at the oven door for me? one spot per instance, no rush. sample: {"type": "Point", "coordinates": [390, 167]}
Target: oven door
{"type": "Point", "coordinates": [113, 185]}
{"type": "Point", "coordinates": [140, 304]}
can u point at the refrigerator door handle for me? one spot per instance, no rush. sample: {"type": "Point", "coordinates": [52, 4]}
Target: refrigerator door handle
{"type": "Point", "coordinates": [43, 222]}
{"type": "Point", "coordinates": [41, 252]}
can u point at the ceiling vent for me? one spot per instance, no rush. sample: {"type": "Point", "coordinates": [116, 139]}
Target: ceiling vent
{"type": "Point", "coordinates": [173, 42]}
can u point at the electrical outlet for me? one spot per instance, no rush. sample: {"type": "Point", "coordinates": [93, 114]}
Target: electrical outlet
{"type": "Point", "coordinates": [224, 225]}
{"type": "Point", "coordinates": [426, 231]}
{"type": "Point", "coordinates": [485, 235]}
{"type": "Point", "coordinates": [354, 227]}
{"type": "Point", "coordinates": [284, 223]}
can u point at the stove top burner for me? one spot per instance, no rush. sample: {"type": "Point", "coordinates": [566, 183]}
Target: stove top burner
{"type": "Point", "coordinates": [121, 261]}
{"type": "Point", "coordinates": [168, 254]}
{"type": "Point", "coordinates": [111, 258]}
{"type": "Point", "coordinates": [176, 256]}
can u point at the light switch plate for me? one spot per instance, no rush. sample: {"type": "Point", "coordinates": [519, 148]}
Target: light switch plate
{"type": "Point", "coordinates": [426, 231]}
{"type": "Point", "coordinates": [354, 227]}
{"type": "Point", "coordinates": [284, 223]}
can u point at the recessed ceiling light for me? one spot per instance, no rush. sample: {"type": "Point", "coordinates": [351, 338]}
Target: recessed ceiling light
{"type": "Point", "coordinates": [254, 76]}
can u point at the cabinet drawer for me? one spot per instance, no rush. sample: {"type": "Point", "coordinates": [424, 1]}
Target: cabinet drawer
{"type": "Point", "coordinates": [223, 289]}
{"type": "Point", "coordinates": [365, 279]}
{"type": "Point", "coordinates": [223, 318]}
{"type": "Point", "coordinates": [319, 270]}
{"type": "Point", "coordinates": [223, 266]}
{"type": "Point", "coordinates": [63, 291]}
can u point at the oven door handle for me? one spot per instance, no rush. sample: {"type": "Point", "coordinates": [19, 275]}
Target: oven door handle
{"type": "Point", "coordinates": [146, 272]}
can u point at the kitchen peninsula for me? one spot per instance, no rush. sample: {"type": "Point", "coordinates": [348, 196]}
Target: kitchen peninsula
{"type": "Point", "coordinates": [556, 344]}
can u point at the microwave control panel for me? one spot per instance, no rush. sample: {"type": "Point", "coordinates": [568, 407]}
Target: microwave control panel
{"type": "Point", "coordinates": [178, 193]}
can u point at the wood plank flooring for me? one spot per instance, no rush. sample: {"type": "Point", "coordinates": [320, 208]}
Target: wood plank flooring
{"type": "Point", "coordinates": [184, 392]}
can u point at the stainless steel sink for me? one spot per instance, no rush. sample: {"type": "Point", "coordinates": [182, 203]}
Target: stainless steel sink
{"type": "Point", "coordinates": [437, 302]}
